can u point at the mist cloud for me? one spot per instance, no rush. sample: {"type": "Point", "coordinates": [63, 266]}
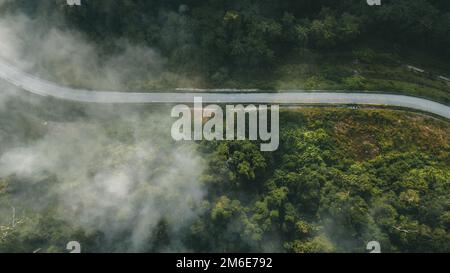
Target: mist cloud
{"type": "Point", "coordinates": [118, 175]}
{"type": "Point", "coordinates": [67, 57]}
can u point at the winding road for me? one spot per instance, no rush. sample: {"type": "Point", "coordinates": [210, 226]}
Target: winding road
{"type": "Point", "coordinates": [42, 87]}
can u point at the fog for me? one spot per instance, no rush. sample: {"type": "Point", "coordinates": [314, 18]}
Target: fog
{"type": "Point", "coordinates": [107, 168]}
{"type": "Point", "coordinates": [66, 57]}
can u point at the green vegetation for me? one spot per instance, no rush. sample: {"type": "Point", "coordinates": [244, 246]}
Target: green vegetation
{"type": "Point", "coordinates": [320, 44]}
{"type": "Point", "coordinates": [111, 177]}
{"type": "Point", "coordinates": [357, 71]}
{"type": "Point", "coordinates": [341, 178]}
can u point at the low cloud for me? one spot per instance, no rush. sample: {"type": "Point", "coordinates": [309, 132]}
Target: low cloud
{"type": "Point", "coordinates": [68, 58]}
{"type": "Point", "coordinates": [105, 168]}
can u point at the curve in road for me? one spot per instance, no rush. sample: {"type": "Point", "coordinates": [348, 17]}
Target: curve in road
{"type": "Point", "coordinates": [45, 88]}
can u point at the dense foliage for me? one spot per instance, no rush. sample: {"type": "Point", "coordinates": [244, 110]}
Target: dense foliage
{"type": "Point", "coordinates": [341, 178]}
{"type": "Point", "coordinates": [270, 45]}
{"type": "Point", "coordinates": [253, 33]}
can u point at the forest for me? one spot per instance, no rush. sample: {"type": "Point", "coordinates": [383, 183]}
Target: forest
{"type": "Point", "coordinates": [111, 177]}
{"type": "Point", "coordinates": [340, 179]}
{"type": "Point", "coordinates": [268, 44]}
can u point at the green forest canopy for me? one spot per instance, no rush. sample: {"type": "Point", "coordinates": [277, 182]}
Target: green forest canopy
{"type": "Point", "coordinates": [218, 37]}
{"type": "Point", "coordinates": [341, 178]}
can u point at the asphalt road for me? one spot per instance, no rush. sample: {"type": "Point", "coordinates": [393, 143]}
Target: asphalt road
{"type": "Point", "coordinates": [42, 87]}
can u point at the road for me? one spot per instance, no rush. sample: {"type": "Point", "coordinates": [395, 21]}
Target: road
{"type": "Point", "coordinates": [42, 87]}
